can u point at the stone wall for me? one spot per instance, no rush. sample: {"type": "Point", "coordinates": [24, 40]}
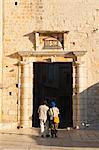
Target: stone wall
{"type": "Point", "coordinates": [1, 45]}
{"type": "Point", "coordinates": [22, 17]}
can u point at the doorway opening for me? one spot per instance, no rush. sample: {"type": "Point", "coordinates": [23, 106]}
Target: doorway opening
{"type": "Point", "coordinates": [53, 81]}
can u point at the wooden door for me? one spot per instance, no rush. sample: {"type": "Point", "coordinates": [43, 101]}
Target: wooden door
{"type": "Point", "coordinates": [53, 81]}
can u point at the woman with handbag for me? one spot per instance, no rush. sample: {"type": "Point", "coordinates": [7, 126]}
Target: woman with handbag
{"type": "Point", "coordinates": [54, 119]}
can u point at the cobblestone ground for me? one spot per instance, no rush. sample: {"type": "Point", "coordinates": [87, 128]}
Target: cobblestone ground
{"type": "Point", "coordinates": [29, 139]}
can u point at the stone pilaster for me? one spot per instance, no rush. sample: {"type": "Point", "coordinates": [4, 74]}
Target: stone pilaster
{"type": "Point", "coordinates": [26, 97]}
{"type": "Point", "coordinates": [81, 92]}
{"type": "Point", "coordinates": [74, 96]}
{"type": "Point", "coordinates": [37, 41]}
{"type": "Point", "coordinates": [30, 106]}
{"type": "Point", "coordinates": [79, 89]}
{"type": "Point", "coordinates": [66, 41]}
{"type": "Point", "coordinates": [78, 120]}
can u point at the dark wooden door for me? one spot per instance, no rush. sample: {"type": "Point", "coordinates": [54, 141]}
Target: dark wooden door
{"type": "Point", "coordinates": [53, 81]}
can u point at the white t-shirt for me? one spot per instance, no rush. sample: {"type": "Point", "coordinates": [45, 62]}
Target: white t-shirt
{"type": "Point", "coordinates": [54, 111]}
{"type": "Point", "coordinates": [42, 110]}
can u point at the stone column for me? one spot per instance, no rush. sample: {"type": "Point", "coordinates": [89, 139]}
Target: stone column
{"type": "Point", "coordinates": [80, 89]}
{"type": "Point", "coordinates": [81, 97]}
{"type": "Point", "coordinates": [26, 97]}
{"type": "Point", "coordinates": [77, 96]}
{"type": "Point", "coordinates": [30, 108]}
{"type": "Point", "coordinates": [83, 91]}
{"type": "Point", "coordinates": [74, 96]}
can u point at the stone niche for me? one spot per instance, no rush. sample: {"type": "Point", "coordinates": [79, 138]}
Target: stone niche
{"type": "Point", "coordinates": [49, 40]}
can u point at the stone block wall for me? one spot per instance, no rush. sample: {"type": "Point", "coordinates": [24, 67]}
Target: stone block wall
{"type": "Point", "coordinates": [22, 17]}
{"type": "Point", "coordinates": [1, 26]}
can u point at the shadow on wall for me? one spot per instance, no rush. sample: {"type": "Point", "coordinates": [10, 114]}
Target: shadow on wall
{"type": "Point", "coordinates": [31, 37]}
{"type": "Point", "coordinates": [90, 99]}
{"type": "Point", "coordinates": [79, 138]}
{"type": "Point", "coordinates": [15, 56]}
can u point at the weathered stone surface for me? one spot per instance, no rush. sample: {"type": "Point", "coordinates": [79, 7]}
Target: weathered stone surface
{"type": "Point", "coordinates": [18, 23]}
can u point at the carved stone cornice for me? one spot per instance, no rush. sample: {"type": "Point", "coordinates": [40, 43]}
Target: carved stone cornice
{"type": "Point", "coordinates": [69, 54]}
{"type": "Point", "coordinates": [79, 53]}
{"type": "Point", "coordinates": [50, 32]}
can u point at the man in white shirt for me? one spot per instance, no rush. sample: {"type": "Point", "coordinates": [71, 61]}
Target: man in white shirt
{"type": "Point", "coordinates": [42, 110]}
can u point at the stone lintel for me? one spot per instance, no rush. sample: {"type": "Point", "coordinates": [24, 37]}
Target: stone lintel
{"type": "Point", "coordinates": [47, 31]}
{"type": "Point", "coordinates": [65, 53]}
{"type": "Point", "coordinates": [79, 53]}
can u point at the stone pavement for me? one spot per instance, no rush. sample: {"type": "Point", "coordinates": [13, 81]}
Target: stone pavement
{"type": "Point", "coordinates": [29, 139]}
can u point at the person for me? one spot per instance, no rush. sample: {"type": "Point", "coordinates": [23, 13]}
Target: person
{"type": "Point", "coordinates": [42, 111]}
{"type": "Point", "coordinates": [54, 113]}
